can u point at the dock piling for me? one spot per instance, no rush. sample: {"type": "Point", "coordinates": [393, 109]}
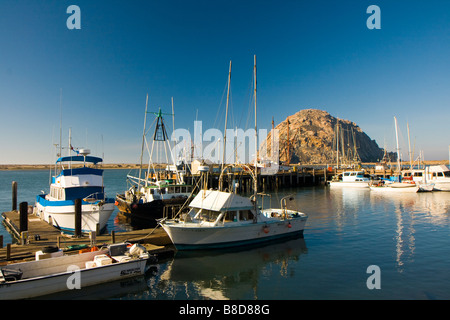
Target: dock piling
{"type": "Point", "coordinates": [77, 217]}
{"type": "Point", "coordinates": [23, 207]}
{"type": "Point", "coordinates": [14, 196]}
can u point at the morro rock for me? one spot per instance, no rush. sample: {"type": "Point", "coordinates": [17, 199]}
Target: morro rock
{"type": "Point", "coordinates": [313, 136]}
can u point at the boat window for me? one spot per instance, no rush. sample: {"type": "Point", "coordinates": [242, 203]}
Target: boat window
{"type": "Point", "coordinates": [417, 174]}
{"type": "Point", "coordinates": [162, 191]}
{"type": "Point", "coordinates": [209, 215]}
{"type": "Point", "coordinates": [346, 174]}
{"type": "Point", "coordinates": [177, 189]}
{"type": "Point", "coordinates": [245, 215]}
{"type": "Point", "coordinates": [440, 174]}
{"type": "Point", "coordinates": [447, 174]}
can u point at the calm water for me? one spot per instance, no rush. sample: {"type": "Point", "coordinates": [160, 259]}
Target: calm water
{"type": "Point", "coordinates": [407, 237]}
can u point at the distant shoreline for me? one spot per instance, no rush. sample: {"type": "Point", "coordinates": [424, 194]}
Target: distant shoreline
{"type": "Point", "coordinates": [47, 166]}
{"type": "Point", "coordinates": [5, 167]}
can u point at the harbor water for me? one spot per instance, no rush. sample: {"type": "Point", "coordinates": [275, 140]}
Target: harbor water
{"type": "Point", "coordinates": [356, 245]}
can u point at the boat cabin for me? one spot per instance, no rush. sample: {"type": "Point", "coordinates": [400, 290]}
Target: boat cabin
{"type": "Point", "coordinates": [211, 206]}
{"type": "Point", "coordinates": [352, 176]}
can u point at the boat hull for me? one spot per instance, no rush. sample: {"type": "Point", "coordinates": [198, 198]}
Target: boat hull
{"type": "Point", "coordinates": [341, 184]}
{"type": "Point", "coordinates": [411, 189]}
{"type": "Point", "coordinates": [62, 279]}
{"type": "Point", "coordinates": [61, 214]}
{"type": "Point", "coordinates": [197, 237]}
{"type": "Point", "coordinates": [441, 186]}
{"type": "Point", "coordinates": [145, 214]}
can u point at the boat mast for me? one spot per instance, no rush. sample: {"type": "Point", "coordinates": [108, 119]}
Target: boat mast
{"type": "Point", "coordinates": [143, 141]}
{"type": "Point", "coordinates": [409, 148]}
{"type": "Point", "coordinates": [226, 118]}
{"type": "Point", "coordinates": [398, 149]}
{"type": "Point", "coordinates": [225, 133]}
{"type": "Point", "coordinates": [256, 134]}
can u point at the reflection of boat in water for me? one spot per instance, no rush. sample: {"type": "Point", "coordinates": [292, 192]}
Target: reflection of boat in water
{"type": "Point", "coordinates": [221, 274]}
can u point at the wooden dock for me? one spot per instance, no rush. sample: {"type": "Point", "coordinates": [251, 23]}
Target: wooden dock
{"type": "Point", "coordinates": [40, 235]}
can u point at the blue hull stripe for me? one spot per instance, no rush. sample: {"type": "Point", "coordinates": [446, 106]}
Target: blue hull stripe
{"type": "Point", "coordinates": [181, 246]}
{"type": "Point", "coordinates": [46, 203]}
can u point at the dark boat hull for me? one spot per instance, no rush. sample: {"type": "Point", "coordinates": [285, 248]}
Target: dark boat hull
{"type": "Point", "coordinates": [145, 214]}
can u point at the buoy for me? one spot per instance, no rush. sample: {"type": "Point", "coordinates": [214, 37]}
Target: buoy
{"type": "Point", "coordinates": [289, 225]}
{"type": "Point", "coordinates": [266, 229]}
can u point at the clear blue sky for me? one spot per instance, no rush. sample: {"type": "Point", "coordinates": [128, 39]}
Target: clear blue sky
{"type": "Point", "coordinates": [310, 54]}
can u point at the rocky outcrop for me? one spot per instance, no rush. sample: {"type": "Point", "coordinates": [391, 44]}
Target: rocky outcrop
{"type": "Point", "coordinates": [313, 136]}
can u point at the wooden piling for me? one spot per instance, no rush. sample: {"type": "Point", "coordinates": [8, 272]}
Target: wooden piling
{"type": "Point", "coordinates": [14, 196]}
{"type": "Point", "coordinates": [77, 217]}
{"type": "Point", "coordinates": [8, 251]}
{"type": "Point", "coordinates": [23, 225]}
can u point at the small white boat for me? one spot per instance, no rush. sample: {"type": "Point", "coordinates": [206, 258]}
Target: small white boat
{"type": "Point", "coordinates": [440, 177]}
{"type": "Point", "coordinates": [69, 272]}
{"type": "Point", "coordinates": [219, 219]}
{"type": "Point", "coordinates": [70, 183]}
{"type": "Point", "coordinates": [352, 179]}
{"type": "Point", "coordinates": [396, 187]}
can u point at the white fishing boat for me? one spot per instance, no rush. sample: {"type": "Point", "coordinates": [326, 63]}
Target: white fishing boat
{"type": "Point", "coordinates": [68, 272]}
{"type": "Point", "coordinates": [440, 177]}
{"type": "Point", "coordinates": [351, 179]}
{"type": "Point", "coordinates": [219, 219]}
{"type": "Point", "coordinates": [71, 182]}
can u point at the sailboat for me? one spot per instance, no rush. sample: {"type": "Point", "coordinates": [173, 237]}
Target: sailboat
{"type": "Point", "coordinates": [219, 219]}
{"type": "Point", "coordinates": [396, 185]}
{"type": "Point", "coordinates": [348, 178]}
{"type": "Point", "coordinates": [160, 193]}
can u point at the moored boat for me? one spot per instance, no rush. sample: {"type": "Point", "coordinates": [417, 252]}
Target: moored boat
{"type": "Point", "coordinates": [220, 219]}
{"type": "Point", "coordinates": [160, 193]}
{"type": "Point", "coordinates": [440, 177]}
{"type": "Point", "coordinates": [352, 179]}
{"type": "Point", "coordinates": [395, 187]}
{"type": "Point", "coordinates": [70, 183]}
{"type": "Point", "coordinates": [56, 274]}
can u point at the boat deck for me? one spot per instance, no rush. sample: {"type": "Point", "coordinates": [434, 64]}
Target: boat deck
{"type": "Point", "coordinates": [155, 240]}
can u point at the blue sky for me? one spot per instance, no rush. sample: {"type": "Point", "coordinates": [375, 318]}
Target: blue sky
{"type": "Point", "coordinates": [310, 54]}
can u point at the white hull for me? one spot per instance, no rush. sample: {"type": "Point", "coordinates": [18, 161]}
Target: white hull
{"type": "Point", "coordinates": [396, 187]}
{"type": "Point", "coordinates": [63, 217]}
{"type": "Point", "coordinates": [57, 274]}
{"type": "Point", "coordinates": [441, 186]}
{"type": "Point", "coordinates": [340, 184]}
{"type": "Point", "coordinates": [188, 236]}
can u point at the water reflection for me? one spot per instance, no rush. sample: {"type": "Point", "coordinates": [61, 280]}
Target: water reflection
{"type": "Point", "coordinates": [223, 275]}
